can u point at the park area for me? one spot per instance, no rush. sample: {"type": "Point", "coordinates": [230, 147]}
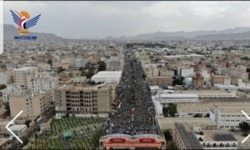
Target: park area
{"type": "Point", "coordinates": [69, 133]}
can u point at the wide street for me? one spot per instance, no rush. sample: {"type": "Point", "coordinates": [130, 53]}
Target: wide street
{"type": "Point", "coordinates": [133, 109]}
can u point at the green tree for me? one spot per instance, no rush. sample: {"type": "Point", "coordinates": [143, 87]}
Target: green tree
{"type": "Point", "coordinates": [167, 135]}
{"type": "Point", "coordinates": [102, 66]}
{"type": "Point", "coordinates": [172, 109]}
{"type": "Point", "coordinates": [2, 86]}
{"type": "Point", "coordinates": [81, 69]}
{"type": "Point", "coordinates": [244, 126]}
{"type": "Point", "coordinates": [25, 141]}
{"type": "Point", "coordinates": [90, 73]}
{"type": "Point", "coordinates": [27, 122]}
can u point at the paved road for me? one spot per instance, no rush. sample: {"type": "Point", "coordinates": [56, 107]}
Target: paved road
{"type": "Point", "coordinates": [133, 108]}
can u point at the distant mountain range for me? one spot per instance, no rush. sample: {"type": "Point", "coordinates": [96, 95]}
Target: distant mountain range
{"type": "Point", "coordinates": [239, 33]}
{"type": "Point", "coordinates": [10, 31]}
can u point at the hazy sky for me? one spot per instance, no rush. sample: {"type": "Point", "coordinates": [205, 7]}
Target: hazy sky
{"type": "Point", "coordinates": [100, 19]}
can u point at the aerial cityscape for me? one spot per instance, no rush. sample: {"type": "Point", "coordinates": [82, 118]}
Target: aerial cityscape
{"type": "Point", "coordinates": [102, 83]}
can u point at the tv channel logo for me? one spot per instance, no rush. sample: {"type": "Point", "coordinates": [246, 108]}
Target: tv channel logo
{"type": "Point", "coordinates": [22, 19]}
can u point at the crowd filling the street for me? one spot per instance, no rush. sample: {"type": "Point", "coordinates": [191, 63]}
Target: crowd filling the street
{"type": "Point", "coordinates": [133, 111]}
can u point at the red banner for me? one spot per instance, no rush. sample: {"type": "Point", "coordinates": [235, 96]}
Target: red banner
{"type": "Point", "coordinates": [117, 140]}
{"type": "Point", "coordinates": [146, 140]}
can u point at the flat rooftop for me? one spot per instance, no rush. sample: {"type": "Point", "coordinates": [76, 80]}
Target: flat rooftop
{"type": "Point", "coordinates": [168, 123]}
{"type": "Point", "coordinates": [218, 135]}
{"type": "Point", "coordinates": [202, 91]}
{"type": "Point", "coordinates": [205, 106]}
{"type": "Point", "coordinates": [179, 95]}
{"type": "Point", "coordinates": [23, 68]}
{"type": "Point", "coordinates": [108, 74]}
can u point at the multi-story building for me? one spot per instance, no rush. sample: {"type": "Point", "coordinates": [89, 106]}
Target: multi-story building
{"type": "Point", "coordinates": [151, 70]}
{"type": "Point", "coordinates": [12, 90]}
{"type": "Point", "coordinates": [43, 82]}
{"type": "Point", "coordinates": [79, 62]}
{"type": "Point", "coordinates": [211, 93]}
{"type": "Point", "coordinates": [187, 136]}
{"type": "Point", "coordinates": [114, 65]}
{"type": "Point", "coordinates": [165, 72]}
{"type": "Point", "coordinates": [107, 76]}
{"type": "Point", "coordinates": [22, 76]}
{"type": "Point", "coordinates": [229, 116]}
{"type": "Point", "coordinates": [4, 78]}
{"type": "Point", "coordinates": [165, 98]}
{"type": "Point", "coordinates": [216, 139]}
{"type": "Point", "coordinates": [198, 80]}
{"type": "Point", "coordinates": [160, 80]}
{"type": "Point", "coordinates": [80, 99]}
{"type": "Point", "coordinates": [43, 67]}
{"type": "Point", "coordinates": [217, 79]}
{"type": "Point", "coordinates": [187, 72]}
{"type": "Point", "coordinates": [31, 104]}
{"type": "Point", "coordinates": [184, 137]}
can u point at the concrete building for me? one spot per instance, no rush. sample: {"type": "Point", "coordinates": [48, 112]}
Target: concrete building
{"type": "Point", "coordinates": [107, 76]}
{"type": "Point", "coordinates": [169, 123]}
{"type": "Point", "coordinates": [114, 65]}
{"type": "Point", "coordinates": [193, 110]}
{"type": "Point", "coordinates": [4, 78]}
{"type": "Point", "coordinates": [215, 139]}
{"type": "Point", "coordinates": [22, 76]}
{"type": "Point", "coordinates": [218, 79]}
{"type": "Point", "coordinates": [178, 98]}
{"type": "Point", "coordinates": [198, 80]}
{"type": "Point", "coordinates": [79, 80]}
{"type": "Point", "coordinates": [151, 70]}
{"type": "Point", "coordinates": [184, 137]}
{"type": "Point", "coordinates": [211, 93]}
{"type": "Point", "coordinates": [43, 82]}
{"type": "Point", "coordinates": [79, 99]}
{"type": "Point", "coordinates": [160, 80]}
{"type": "Point", "coordinates": [43, 67]}
{"type": "Point", "coordinates": [12, 90]}
{"type": "Point", "coordinates": [80, 62]}
{"type": "Point", "coordinates": [31, 104]}
{"type": "Point", "coordinates": [229, 116]}
{"type": "Point", "coordinates": [187, 72]}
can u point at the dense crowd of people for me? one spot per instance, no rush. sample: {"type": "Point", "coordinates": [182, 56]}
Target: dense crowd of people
{"type": "Point", "coordinates": [133, 108]}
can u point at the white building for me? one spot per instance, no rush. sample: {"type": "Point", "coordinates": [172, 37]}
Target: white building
{"type": "Point", "coordinates": [43, 82]}
{"type": "Point", "coordinates": [114, 65]}
{"type": "Point", "coordinates": [157, 105]}
{"type": "Point", "coordinates": [43, 67]}
{"type": "Point", "coordinates": [211, 93]}
{"type": "Point", "coordinates": [12, 90]}
{"type": "Point", "coordinates": [22, 76]}
{"type": "Point", "coordinates": [165, 98]}
{"type": "Point", "coordinates": [107, 76]}
{"type": "Point", "coordinates": [215, 139]}
{"type": "Point", "coordinates": [80, 62]}
{"type": "Point", "coordinates": [187, 72]}
{"type": "Point", "coordinates": [229, 116]}
{"type": "Point", "coordinates": [4, 79]}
